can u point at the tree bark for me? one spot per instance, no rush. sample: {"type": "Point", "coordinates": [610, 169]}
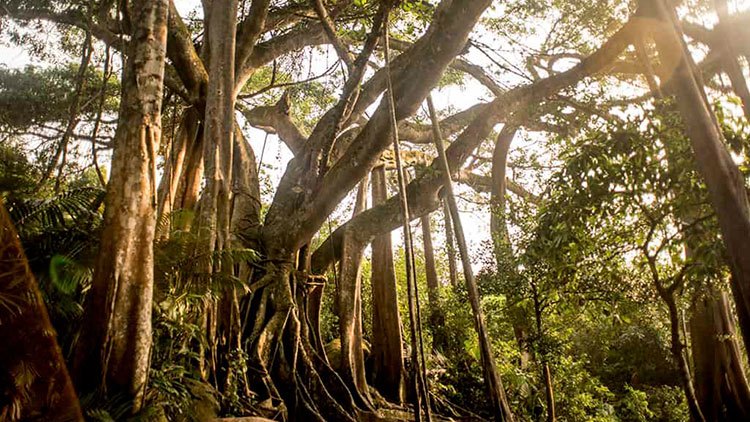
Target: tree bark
{"type": "Point", "coordinates": [115, 343]}
{"type": "Point", "coordinates": [722, 177]}
{"type": "Point", "coordinates": [720, 382]}
{"type": "Point", "coordinates": [35, 381]}
{"type": "Point", "coordinates": [219, 130]}
{"type": "Point", "coordinates": [387, 353]}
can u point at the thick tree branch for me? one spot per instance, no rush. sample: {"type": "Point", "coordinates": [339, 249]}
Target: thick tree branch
{"type": "Point", "coordinates": [187, 63]}
{"type": "Point", "coordinates": [422, 193]}
{"type": "Point", "coordinates": [250, 30]}
{"type": "Point", "coordinates": [275, 119]}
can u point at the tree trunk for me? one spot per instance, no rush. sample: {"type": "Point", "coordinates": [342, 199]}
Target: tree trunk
{"type": "Point", "coordinates": [450, 246]}
{"type": "Point", "coordinates": [246, 204]}
{"type": "Point", "coordinates": [548, 391]}
{"type": "Point", "coordinates": [679, 356]}
{"type": "Point", "coordinates": [724, 181]}
{"type": "Point", "coordinates": [387, 353]}
{"type": "Point", "coordinates": [178, 164]}
{"type": "Point", "coordinates": [189, 183]}
{"type": "Point", "coordinates": [115, 343]}
{"type": "Point", "coordinates": [437, 317]}
{"type": "Point", "coordinates": [492, 380]}
{"type": "Point", "coordinates": [35, 381]}
{"type": "Point", "coordinates": [546, 373]}
{"type": "Point", "coordinates": [219, 130]}
{"type": "Point", "coordinates": [352, 368]}
{"type": "Point", "coordinates": [500, 236]}
{"type": "Point", "coordinates": [720, 382]}
{"type": "Point", "coordinates": [729, 60]}
{"type": "Point", "coordinates": [429, 262]}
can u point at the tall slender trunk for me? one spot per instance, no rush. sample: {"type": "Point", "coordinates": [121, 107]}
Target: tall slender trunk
{"type": "Point", "coordinates": [36, 385]}
{"type": "Point", "coordinates": [450, 245]}
{"type": "Point", "coordinates": [387, 353]}
{"type": "Point", "coordinates": [720, 382]}
{"type": "Point", "coordinates": [189, 183]}
{"type": "Point", "coordinates": [349, 293]}
{"type": "Point", "coordinates": [429, 261]}
{"type": "Point", "coordinates": [500, 235]}
{"type": "Point", "coordinates": [679, 356]}
{"type": "Point", "coordinates": [546, 372]}
{"type": "Point", "coordinates": [437, 316]}
{"type": "Point", "coordinates": [115, 343]}
{"type": "Point", "coordinates": [724, 181]}
{"type": "Point", "coordinates": [495, 388]}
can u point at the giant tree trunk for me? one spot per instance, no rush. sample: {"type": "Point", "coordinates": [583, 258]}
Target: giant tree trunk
{"type": "Point", "coordinates": [115, 343]}
{"type": "Point", "coordinates": [720, 382]}
{"type": "Point", "coordinates": [387, 353]}
{"type": "Point", "coordinates": [219, 130]}
{"type": "Point", "coordinates": [724, 181]}
{"type": "Point", "coordinates": [218, 149]}
{"type": "Point", "coordinates": [307, 194]}
{"type": "Point", "coordinates": [35, 381]}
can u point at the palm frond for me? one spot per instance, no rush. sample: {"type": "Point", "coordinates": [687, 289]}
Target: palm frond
{"type": "Point", "coordinates": [71, 207]}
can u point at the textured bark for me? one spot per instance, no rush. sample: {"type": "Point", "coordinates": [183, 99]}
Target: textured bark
{"type": "Point", "coordinates": [723, 179]}
{"type": "Point", "coordinates": [115, 343]}
{"type": "Point", "coordinates": [219, 126]}
{"type": "Point", "coordinates": [221, 315]}
{"type": "Point", "coordinates": [720, 382]}
{"type": "Point", "coordinates": [246, 204]}
{"type": "Point", "coordinates": [387, 353]}
{"type": "Point", "coordinates": [34, 379]}
{"type": "Point", "coordinates": [189, 183]}
{"type": "Point", "coordinates": [494, 384]}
